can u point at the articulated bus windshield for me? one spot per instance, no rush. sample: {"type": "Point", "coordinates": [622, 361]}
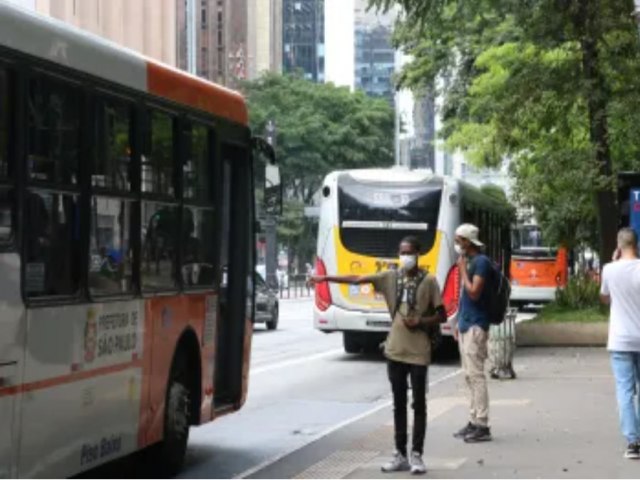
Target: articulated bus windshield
{"type": "Point", "coordinates": [374, 217]}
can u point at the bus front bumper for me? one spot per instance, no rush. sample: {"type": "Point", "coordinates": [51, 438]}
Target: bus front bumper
{"type": "Point", "coordinates": [337, 319]}
{"type": "Point", "coordinates": [533, 294]}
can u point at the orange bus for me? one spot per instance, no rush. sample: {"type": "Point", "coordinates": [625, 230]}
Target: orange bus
{"type": "Point", "coordinates": [126, 190]}
{"type": "Point", "coordinates": [537, 270]}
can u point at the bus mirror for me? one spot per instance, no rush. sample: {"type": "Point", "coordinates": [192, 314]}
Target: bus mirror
{"type": "Point", "coordinates": [268, 179]}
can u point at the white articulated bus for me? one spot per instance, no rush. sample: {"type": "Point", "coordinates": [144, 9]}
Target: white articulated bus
{"type": "Point", "coordinates": [363, 217]}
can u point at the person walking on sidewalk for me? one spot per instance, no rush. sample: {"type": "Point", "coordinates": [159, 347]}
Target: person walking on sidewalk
{"type": "Point", "coordinates": [473, 330]}
{"type": "Point", "coordinates": [415, 303]}
{"type": "Point", "coordinates": [621, 288]}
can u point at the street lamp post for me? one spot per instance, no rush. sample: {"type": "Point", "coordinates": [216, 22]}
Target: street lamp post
{"type": "Point", "coordinates": [271, 240]}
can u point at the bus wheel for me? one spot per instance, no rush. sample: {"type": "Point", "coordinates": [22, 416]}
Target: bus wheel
{"type": "Point", "coordinates": [273, 323]}
{"type": "Point", "coordinates": [177, 418]}
{"type": "Point", "coordinates": [351, 342]}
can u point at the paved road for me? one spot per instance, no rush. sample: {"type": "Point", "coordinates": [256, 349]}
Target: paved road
{"type": "Point", "coordinates": [302, 386]}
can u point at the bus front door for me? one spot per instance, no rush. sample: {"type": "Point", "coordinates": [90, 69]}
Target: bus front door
{"type": "Point", "coordinates": [234, 261]}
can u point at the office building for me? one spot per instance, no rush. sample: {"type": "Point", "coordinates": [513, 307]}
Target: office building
{"type": "Point", "coordinates": [235, 40]}
{"type": "Point", "coordinates": [146, 26]}
{"type": "Point", "coordinates": [423, 153]}
{"type": "Point", "coordinates": [375, 56]}
{"type": "Point", "coordinates": [304, 38]}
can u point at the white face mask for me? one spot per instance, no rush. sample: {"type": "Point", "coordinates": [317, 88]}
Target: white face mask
{"type": "Point", "coordinates": [408, 262]}
{"type": "Point", "coordinates": [458, 249]}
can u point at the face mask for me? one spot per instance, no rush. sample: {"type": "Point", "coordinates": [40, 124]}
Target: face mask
{"type": "Point", "coordinates": [408, 262]}
{"type": "Point", "coordinates": [458, 249]}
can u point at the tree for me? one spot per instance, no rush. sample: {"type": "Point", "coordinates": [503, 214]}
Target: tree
{"type": "Point", "coordinates": [551, 84]}
{"type": "Point", "coordinates": [320, 128]}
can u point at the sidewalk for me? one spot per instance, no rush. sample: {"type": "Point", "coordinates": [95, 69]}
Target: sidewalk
{"type": "Point", "coordinates": [557, 420]}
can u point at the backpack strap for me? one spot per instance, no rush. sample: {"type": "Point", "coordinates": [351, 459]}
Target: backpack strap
{"type": "Point", "coordinates": [412, 296]}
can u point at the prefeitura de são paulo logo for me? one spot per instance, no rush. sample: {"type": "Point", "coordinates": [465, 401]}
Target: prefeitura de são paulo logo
{"type": "Point", "coordinates": [90, 336]}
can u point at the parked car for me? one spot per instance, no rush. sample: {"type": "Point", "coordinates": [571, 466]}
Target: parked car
{"type": "Point", "coordinates": [267, 307]}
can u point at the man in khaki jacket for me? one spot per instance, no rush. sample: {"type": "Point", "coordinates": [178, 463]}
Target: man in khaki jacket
{"type": "Point", "coordinates": [415, 304]}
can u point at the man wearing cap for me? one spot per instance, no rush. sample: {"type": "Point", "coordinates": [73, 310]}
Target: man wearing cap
{"type": "Point", "coordinates": [473, 330]}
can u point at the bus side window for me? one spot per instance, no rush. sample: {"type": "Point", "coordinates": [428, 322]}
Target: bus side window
{"type": "Point", "coordinates": [52, 229]}
{"type": "Point", "coordinates": [110, 245]}
{"type": "Point", "coordinates": [198, 215]}
{"type": "Point", "coordinates": [160, 224]}
{"type": "Point", "coordinates": [7, 192]}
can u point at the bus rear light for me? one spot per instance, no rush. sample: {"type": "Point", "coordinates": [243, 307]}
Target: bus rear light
{"type": "Point", "coordinates": [451, 293]}
{"type": "Point", "coordinates": [323, 294]}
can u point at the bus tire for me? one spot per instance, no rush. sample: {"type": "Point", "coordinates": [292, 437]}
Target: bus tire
{"type": "Point", "coordinates": [273, 323]}
{"type": "Point", "coordinates": [351, 342]}
{"type": "Point", "coordinates": [177, 419]}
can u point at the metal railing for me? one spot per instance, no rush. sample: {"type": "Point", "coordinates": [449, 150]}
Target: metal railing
{"type": "Point", "coordinates": [297, 286]}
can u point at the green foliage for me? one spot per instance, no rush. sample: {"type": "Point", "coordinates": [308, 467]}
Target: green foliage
{"type": "Point", "coordinates": [581, 292]}
{"type": "Point", "coordinates": [550, 84]}
{"type": "Point", "coordinates": [495, 192]}
{"type": "Point", "coordinates": [319, 128]}
{"type": "Point", "coordinates": [553, 313]}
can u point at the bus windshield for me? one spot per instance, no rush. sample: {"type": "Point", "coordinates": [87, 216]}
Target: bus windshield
{"type": "Point", "coordinates": [391, 210]}
{"type": "Point", "coordinates": [529, 239]}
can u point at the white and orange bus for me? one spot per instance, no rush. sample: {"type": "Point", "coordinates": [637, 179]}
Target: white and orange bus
{"type": "Point", "coordinates": [537, 269]}
{"type": "Point", "coordinates": [126, 189]}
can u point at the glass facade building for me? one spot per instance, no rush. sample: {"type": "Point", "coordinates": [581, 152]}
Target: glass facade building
{"type": "Point", "coordinates": [303, 38]}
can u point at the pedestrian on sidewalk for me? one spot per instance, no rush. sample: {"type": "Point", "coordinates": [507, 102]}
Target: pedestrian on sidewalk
{"type": "Point", "coordinates": [621, 288]}
{"type": "Point", "coordinates": [472, 330]}
{"type": "Point", "coordinates": [415, 304]}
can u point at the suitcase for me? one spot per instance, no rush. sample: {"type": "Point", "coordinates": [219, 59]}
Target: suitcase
{"type": "Point", "coordinates": [502, 346]}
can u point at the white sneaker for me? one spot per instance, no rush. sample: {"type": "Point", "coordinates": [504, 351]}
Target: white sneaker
{"type": "Point", "coordinates": [417, 464]}
{"type": "Point", "coordinates": [399, 463]}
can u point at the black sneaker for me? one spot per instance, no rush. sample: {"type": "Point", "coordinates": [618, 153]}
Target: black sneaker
{"type": "Point", "coordinates": [633, 451]}
{"type": "Point", "coordinates": [478, 434]}
{"type": "Point", "coordinates": [466, 430]}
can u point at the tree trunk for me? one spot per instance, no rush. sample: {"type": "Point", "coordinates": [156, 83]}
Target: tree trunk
{"type": "Point", "coordinates": [597, 103]}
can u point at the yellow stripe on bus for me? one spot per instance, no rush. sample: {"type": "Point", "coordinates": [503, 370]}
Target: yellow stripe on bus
{"type": "Point", "coordinates": [350, 263]}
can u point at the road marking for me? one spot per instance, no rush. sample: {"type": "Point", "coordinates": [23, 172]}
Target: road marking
{"type": "Point", "coordinates": [339, 426]}
{"type": "Point", "coordinates": [295, 361]}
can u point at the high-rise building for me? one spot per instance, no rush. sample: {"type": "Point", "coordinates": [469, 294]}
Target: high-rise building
{"type": "Point", "coordinates": [375, 57]}
{"type": "Point", "coordinates": [205, 46]}
{"type": "Point", "coordinates": [265, 37]}
{"type": "Point", "coordinates": [423, 152]}
{"type": "Point", "coordinates": [235, 40]}
{"type": "Point", "coordinates": [303, 38]}
{"type": "Point", "coordinates": [147, 26]}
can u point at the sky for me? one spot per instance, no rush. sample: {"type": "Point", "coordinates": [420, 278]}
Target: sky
{"type": "Point", "coordinates": [340, 42]}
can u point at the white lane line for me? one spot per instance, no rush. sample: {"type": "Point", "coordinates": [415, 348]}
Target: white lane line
{"type": "Point", "coordinates": [330, 430]}
{"type": "Point", "coordinates": [295, 361]}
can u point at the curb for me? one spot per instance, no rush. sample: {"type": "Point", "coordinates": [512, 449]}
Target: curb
{"type": "Point", "coordinates": [565, 334]}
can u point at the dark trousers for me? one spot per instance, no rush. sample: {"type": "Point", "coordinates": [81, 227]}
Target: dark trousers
{"type": "Point", "coordinates": [398, 373]}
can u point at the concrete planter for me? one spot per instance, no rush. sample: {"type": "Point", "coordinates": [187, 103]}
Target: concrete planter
{"type": "Point", "coordinates": [567, 334]}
